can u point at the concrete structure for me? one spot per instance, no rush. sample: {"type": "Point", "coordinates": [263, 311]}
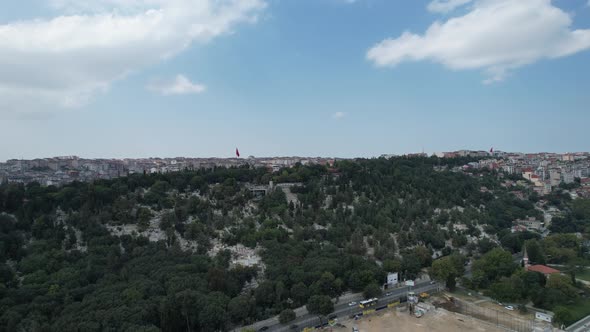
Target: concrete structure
{"type": "Point", "coordinates": [546, 317]}
{"type": "Point", "coordinates": [392, 279]}
{"type": "Point", "coordinates": [583, 325]}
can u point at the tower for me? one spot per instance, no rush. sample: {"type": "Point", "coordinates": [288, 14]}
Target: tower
{"type": "Point", "coordinates": [525, 259]}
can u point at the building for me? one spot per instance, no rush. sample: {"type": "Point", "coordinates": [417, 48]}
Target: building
{"type": "Point", "coordinates": [530, 223]}
{"type": "Point", "coordinates": [545, 270]}
{"type": "Point", "coordinates": [527, 173]}
{"type": "Point", "coordinates": [555, 177]}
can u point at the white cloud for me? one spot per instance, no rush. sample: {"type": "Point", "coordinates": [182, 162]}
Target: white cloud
{"type": "Point", "coordinates": [338, 115]}
{"type": "Point", "coordinates": [62, 62]}
{"type": "Point", "coordinates": [179, 86]}
{"type": "Point", "coordinates": [496, 36]}
{"type": "Point", "coordinates": [445, 6]}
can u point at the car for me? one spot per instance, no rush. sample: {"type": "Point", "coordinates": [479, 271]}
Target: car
{"type": "Point", "coordinates": [389, 294]}
{"type": "Point", "coordinates": [294, 327]}
{"type": "Point", "coordinates": [352, 304]}
{"type": "Point", "coordinates": [332, 317]}
{"type": "Point", "coordinates": [264, 328]}
{"type": "Point", "coordinates": [509, 307]}
{"type": "Point", "coordinates": [432, 282]}
{"type": "Point", "coordinates": [355, 329]}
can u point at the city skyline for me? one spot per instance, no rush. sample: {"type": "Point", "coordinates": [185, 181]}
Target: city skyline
{"type": "Point", "coordinates": [278, 77]}
{"type": "Point", "coordinates": [248, 156]}
{"type": "Point", "coordinates": [546, 171]}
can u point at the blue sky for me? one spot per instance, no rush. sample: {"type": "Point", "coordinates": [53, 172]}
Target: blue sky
{"type": "Point", "coordinates": [140, 78]}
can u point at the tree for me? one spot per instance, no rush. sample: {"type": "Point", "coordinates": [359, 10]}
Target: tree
{"type": "Point", "coordinates": [534, 252]}
{"type": "Point", "coordinates": [509, 289]}
{"type": "Point", "coordinates": [562, 284]}
{"type": "Point", "coordinates": [392, 265]}
{"type": "Point", "coordinates": [492, 266]}
{"type": "Point", "coordinates": [327, 285]}
{"type": "Point", "coordinates": [240, 308]}
{"type": "Point", "coordinates": [213, 315]}
{"type": "Point", "coordinates": [299, 293]}
{"type": "Point", "coordinates": [357, 243]}
{"type": "Point", "coordinates": [265, 294]}
{"type": "Point", "coordinates": [320, 305]}
{"type": "Point", "coordinates": [442, 268]}
{"type": "Point", "coordinates": [485, 245]}
{"type": "Point", "coordinates": [410, 266]}
{"type": "Point", "coordinates": [424, 256]}
{"type": "Point", "coordinates": [372, 290]}
{"type": "Point", "coordinates": [447, 269]}
{"type": "Point", "coordinates": [143, 218]}
{"type": "Point", "coordinates": [286, 316]}
{"type": "Point", "coordinates": [562, 315]}
{"type": "Point", "coordinates": [188, 300]}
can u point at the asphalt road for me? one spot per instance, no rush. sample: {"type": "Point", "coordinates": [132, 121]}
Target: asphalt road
{"type": "Point", "coordinates": [344, 310]}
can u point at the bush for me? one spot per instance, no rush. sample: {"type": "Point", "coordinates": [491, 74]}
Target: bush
{"type": "Point", "coordinates": [286, 316]}
{"type": "Point", "coordinates": [562, 315]}
{"type": "Point", "coordinates": [372, 290]}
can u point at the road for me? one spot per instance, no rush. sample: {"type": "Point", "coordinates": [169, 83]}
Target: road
{"type": "Point", "coordinates": [344, 310]}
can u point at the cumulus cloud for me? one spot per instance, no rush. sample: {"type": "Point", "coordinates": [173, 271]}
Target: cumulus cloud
{"type": "Point", "coordinates": [62, 62]}
{"type": "Point", "coordinates": [179, 86]}
{"type": "Point", "coordinates": [338, 115]}
{"type": "Point", "coordinates": [496, 36]}
{"type": "Point", "coordinates": [445, 6]}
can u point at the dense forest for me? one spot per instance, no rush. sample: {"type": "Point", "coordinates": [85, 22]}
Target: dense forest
{"type": "Point", "coordinates": [151, 252]}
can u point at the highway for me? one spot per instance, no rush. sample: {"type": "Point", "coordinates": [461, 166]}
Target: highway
{"type": "Point", "coordinates": [344, 310]}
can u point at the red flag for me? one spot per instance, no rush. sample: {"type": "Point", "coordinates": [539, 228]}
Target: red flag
{"type": "Point", "coordinates": [237, 153]}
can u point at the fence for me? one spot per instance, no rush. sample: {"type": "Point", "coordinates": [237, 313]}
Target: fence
{"type": "Point", "coordinates": [493, 316]}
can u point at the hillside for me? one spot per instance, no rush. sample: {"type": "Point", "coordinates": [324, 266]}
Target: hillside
{"type": "Point", "coordinates": [211, 249]}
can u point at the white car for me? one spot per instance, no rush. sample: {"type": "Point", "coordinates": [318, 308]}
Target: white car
{"type": "Point", "coordinates": [509, 307]}
{"type": "Point", "coordinates": [352, 304]}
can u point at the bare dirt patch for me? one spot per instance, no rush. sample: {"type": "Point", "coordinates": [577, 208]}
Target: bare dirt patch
{"type": "Point", "coordinates": [438, 320]}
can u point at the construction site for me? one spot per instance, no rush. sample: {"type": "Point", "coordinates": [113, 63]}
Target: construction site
{"type": "Point", "coordinates": [442, 313]}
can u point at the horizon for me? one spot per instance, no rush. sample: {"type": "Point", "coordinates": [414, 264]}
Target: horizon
{"type": "Point", "coordinates": [429, 154]}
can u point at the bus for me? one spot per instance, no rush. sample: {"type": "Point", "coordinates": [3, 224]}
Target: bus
{"type": "Point", "coordinates": [368, 303]}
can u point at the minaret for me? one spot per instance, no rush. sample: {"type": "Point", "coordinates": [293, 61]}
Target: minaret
{"type": "Point", "coordinates": [525, 259]}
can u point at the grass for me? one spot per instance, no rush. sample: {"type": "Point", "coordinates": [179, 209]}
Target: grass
{"type": "Point", "coordinates": [579, 310]}
{"type": "Point", "coordinates": [583, 275]}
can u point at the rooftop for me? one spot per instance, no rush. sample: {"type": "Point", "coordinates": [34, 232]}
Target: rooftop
{"type": "Point", "coordinates": [542, 269]}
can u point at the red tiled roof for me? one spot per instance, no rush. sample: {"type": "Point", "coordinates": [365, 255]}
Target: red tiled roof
{"type": "Point", "coordinates": [542, 269]}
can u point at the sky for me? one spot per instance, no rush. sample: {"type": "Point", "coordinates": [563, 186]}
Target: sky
{"type": "Point", "coordinates": [339, 78]}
